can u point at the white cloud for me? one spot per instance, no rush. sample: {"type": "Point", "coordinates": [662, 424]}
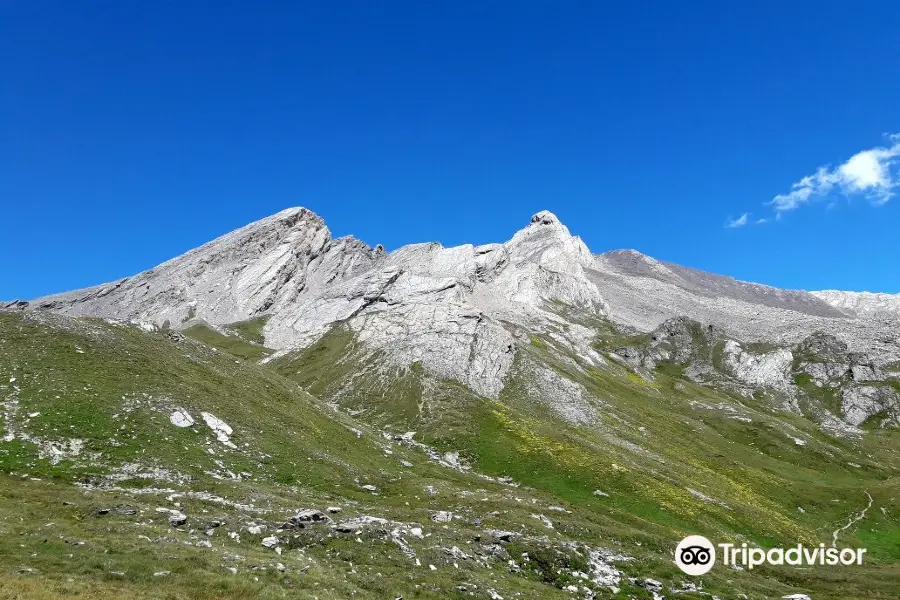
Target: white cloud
{"type": "Point", "coordinates": [871, 174]}
{"type": "Point", "coordinates": [739, 222]}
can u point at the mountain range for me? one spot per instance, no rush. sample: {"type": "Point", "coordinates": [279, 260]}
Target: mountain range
{"type": "Point", "coordinates": [533, 419]}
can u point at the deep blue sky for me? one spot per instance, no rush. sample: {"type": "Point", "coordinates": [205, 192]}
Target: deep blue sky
{"type": "Point", "coordinates": [131, 132]}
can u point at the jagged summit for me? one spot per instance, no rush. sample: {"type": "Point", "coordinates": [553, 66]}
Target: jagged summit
{"type": "Point", "coordinates": [234, 277]}
{"type": "Point", "coordinates": [443, 307]}
{"type": "Point", "coordinates": [545, 217]}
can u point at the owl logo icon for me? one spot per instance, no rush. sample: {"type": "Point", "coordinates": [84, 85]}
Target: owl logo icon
{"type": "Point", "coordinates": [695, 555]}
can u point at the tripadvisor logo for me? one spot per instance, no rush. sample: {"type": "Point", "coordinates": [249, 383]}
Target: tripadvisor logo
{"type": "Point", "coordinates": [696, 555]}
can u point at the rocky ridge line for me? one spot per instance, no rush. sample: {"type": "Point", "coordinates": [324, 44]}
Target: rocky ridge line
{"type": "Point", "coordinates": [462, 311]}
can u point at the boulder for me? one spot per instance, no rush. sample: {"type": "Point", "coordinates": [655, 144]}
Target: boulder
{"type": "Point", "coordinates": [859, 403]}
{"type": "Point", "coordinates": [305, 517]}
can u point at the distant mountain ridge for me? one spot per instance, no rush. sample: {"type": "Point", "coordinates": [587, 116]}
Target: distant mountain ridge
{"type": "Point", "coordinates": [715, 286]}
{"type": "Point", "coordinates": [861, 303]}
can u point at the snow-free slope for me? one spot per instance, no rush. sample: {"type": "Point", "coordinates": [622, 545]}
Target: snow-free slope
{"type": "Point", "coordinates": [144, 464]}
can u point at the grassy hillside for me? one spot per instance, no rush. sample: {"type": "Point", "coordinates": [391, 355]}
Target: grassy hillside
{"type": "Point", "coordinates": [91, 455]}
{"type": "Point", "coordinates": [671, 457]}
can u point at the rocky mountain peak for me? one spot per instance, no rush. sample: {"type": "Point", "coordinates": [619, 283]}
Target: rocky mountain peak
{"type": "Point", "coordinates": [544, 217]}
{"type": "Point", "coordinates": [252, 270]}
{"type": "Point", "coordinates": [297, 220]}
{"type": "Point", "coordinates": [293, 215]}
{"type": "Point", "coordinates": [546, 235]}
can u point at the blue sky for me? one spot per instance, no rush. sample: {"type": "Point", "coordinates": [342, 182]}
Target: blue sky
{"type": "Point", "coordinates": [131, 132]}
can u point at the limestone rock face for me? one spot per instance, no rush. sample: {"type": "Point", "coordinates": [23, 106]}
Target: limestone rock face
{"type": "Point", "coordinates": [771, 369]}
{"type": "Point", "coordinates": [449, 309]}
{"type": "Point", "coordinates": [824, 373]}
{"type": "Point", "coordinates": [865, 372]}
{"type": "Point", "coordinates": [860, 403]}
{"type": "Point", "coordinates": [444, 307]}
{"type": "Point", "coordinates": [679, 340]}
{"type": "Point", "coordinates": [463, 312]}
{"type": "Point", "coordinates": [826, 360]}
{"type": "Point", "coordinates": [864, 388]}
{"type": "Point", "coordinates": [824, 347]}
{"type": "Point", "coordinates": [260, 268]}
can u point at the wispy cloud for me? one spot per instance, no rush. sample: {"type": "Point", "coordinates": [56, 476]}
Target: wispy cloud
{"type": "Point", "coordinates": [739, 222]}
{"type": "Point", "coordinates": [870, 174]}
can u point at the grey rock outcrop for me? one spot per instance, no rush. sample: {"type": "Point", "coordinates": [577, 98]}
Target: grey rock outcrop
{"type": "Point", "coordinates": [865, 372]}
{"type": "Point", "coordinates": [679, 340]}
{"type": "Point", "coordinates": [305, 518]}
{"type": "Point", "coordinates": [823, 373]}
{"type": "Point", "coordinates": [770, 369]}
{"type": "Point", "coordinates": [826, 360]}
{"type": "Point", "coordinates": [860, 403]}
{"type": "Point", "coordinates": [823, 346]}
{"type": "Point", "coordinates": [864, 389]}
